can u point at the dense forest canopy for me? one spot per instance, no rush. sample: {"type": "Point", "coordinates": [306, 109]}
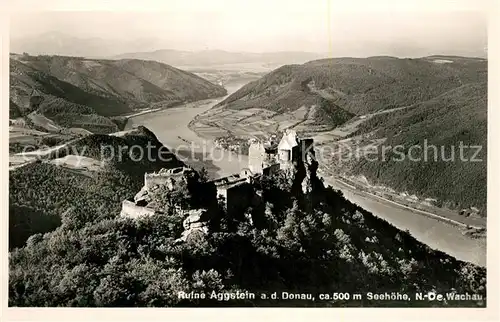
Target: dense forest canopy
{"type": "Point", "coordinates": [313, 243]}
{"type": "Point", "coordinates": [439, 127]}
{"type": "Point", "coordinates": [39, 193]}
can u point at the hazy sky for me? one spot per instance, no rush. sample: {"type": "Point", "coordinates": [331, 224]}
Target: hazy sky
{"type": "Point", "coordinates": [272, 25]}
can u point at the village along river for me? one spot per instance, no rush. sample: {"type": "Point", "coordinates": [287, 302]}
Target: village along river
{"type": "Point", "coordinates": [171, 128]}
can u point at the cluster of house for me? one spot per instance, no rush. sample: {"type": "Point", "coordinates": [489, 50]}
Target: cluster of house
{"type": "Point", "coordinates": [234, 144]}
{"type": "Point", "coordinates": [265, 158]}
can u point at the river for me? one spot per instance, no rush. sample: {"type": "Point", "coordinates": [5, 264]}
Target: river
{"type": "Point", "coordinates": [171, 128]}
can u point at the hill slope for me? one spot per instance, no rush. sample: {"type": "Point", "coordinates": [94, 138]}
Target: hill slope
{"type": "Point", "coordinates": [442, 100]}
{"type": "Point", "coordinates": [458, 117]}
{"type": "Point", "coordinates": [72, 88]}
{"type": "Point", "coordinates": [40, 192]}
{"type": "Point", "coordinates": [359, 85]}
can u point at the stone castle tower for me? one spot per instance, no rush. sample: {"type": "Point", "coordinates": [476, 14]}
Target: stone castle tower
{"type": "Point", "coordinates": [289, 153]}
{"type": "Point", "coordinates": [287, 149]}
{"type": "Point", "coordinates": [256, 156]}
{"type": "Point", "coordinates": [261, 156]}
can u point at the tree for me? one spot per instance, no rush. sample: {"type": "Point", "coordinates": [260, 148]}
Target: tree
{"type": "Point", "coordinates": [207, 281]}
{"type": "Point", "coordinates": [94, 259]}
{"type": "Point", "coordinates": [203, 175]}
{"type": "Point", "coordinates": [75, 218]}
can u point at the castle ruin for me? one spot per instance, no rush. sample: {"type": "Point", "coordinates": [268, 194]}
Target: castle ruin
{"type": "Point", "coordinates": [165, 177]}
{"type": "Point", "coordinates": [291, 154]}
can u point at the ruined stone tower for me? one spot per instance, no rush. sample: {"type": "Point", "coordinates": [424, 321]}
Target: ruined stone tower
{"type": "Point", "coordinates": [262, 157]}
{"type": "Point", "coordinates": [287, 149]}
{"type": "Point", "coordinates": [256, 156]}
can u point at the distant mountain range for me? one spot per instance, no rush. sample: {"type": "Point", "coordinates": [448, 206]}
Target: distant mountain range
{"type": "Point", "coordinates": [79, 92]}
{"type": "Point", "coordinates": [154, 48]}
{"type": "Point", "coordinates": [220, 57]}
{"type": "Point", "coordinates": [57, 43]}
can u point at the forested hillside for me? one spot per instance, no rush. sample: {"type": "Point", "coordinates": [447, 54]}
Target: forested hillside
{"type": "Point", "coordinates": [457, 117]}
{"type": "Point", "coordinates": [308, 244]}
{"type": "Point", "coordinates": [444, 101]}
{"type": "Point", "coordinates": [358, 85]}
{"type": "Point", "coordinates": [40, 193]}
{"type": "Point", "coordinates": [78, 92]}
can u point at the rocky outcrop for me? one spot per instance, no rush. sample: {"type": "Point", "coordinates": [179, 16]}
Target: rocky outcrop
{"type": "Point", "coordinates": [132, 210]}
{"type": "Point", "coordinates": [142, 196]}
{"type": "Point", "coordinates": [311, 169]}
{"type": "Point", "coordinates": [195, 225]}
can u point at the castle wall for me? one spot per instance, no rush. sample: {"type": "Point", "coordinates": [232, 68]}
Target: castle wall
{"type": "Point", "coordinates": [237, 192]}
{"type": "Point", "coordinates": [224, 184]}
{"type": "Point", "coordinates": [236, 189]}
{"type": "Point", "coordinates": [239, 197]}
{"type": "Point", "coordinates": [163, 177]}
{"type": "Point", "coordinates": [287, 157]}
{"type": "Point", "coordinates": [222, 191]}
{"type": "Point", "coordinates": [284, 155]}
{"type": "Point", "coordinates": [150, 180]}
{"type": "Point", "coordinates": [307, 146]}
{"type": "Point", "coordinates": [130, 209]}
